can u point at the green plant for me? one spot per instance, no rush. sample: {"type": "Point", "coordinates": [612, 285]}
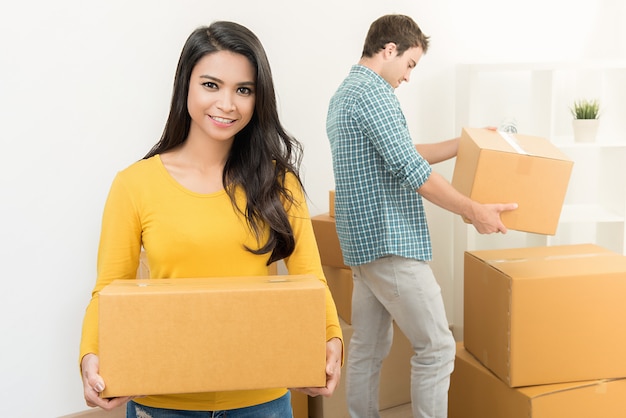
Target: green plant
{"type": "Point", "coordinates": [585, 109]}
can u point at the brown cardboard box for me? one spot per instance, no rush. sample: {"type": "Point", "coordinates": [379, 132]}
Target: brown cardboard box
{"type": "Point", "coordinates": [542, 315]}
{"type": "Point", "coordinates": [299, 404]}
{"type": "Point", "coordinates": [119, 412]}
{"type": "Point", "coordinates": [475, 392]}
{"type": "Point", "coordinates": [327, 240]}
{"type": "Point", "coordinates": [340, 285]}
{"type": "Point", "coordinates": [494, 167]}
{"type": "Point", "coordinates": [201, 335]}
{"type": "Point", "coordinates": [395, 379]}
{"type": "Point", "coordinates": [331, 203]}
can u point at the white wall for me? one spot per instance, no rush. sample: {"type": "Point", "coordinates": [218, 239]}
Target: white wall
{"type": "Point", "coordinates": [84, 91]}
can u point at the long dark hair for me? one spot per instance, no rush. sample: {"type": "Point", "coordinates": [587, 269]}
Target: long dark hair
{"type": "Point", "coordinates": [262, 153]}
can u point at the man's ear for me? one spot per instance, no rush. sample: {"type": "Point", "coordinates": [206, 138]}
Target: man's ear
{"type": "Point", "coordinates": [390, 49]}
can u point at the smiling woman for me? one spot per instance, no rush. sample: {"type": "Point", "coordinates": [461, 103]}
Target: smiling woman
{"type": "Point", "coordinates": [219, 195]}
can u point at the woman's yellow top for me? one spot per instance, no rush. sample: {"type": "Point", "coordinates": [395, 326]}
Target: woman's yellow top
{"type": "Point", "coordinates": [187, 234]}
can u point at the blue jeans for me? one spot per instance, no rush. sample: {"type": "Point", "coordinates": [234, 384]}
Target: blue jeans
{"type": "Point", "coordinates": [405, 291]}
{"type": "Point", "coordinates": [278, 408]}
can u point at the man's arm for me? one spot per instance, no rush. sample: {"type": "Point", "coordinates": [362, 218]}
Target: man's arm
{"type": "Point", "coordinates": [484, 217]}
{"type": "Point", "coordinates": [439, 151]}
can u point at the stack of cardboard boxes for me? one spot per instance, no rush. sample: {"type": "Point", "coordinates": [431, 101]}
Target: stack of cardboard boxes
{"type": "Point", "coordinates": [544, 334]}
{"type": "Point", "coordinates": [543, 326]}
{"type": "Point", "coordinates": [395, 380]}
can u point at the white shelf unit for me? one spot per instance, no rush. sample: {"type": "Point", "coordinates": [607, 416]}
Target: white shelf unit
{"type": "Point", "coordinates": [538, 97]}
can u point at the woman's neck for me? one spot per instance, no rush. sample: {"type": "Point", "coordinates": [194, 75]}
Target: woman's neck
{"type": "Point", "coordinates": [198, 164]}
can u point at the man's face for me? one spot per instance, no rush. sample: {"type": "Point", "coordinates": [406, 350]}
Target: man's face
{"type": "Point", "coordinates": [398, 68]}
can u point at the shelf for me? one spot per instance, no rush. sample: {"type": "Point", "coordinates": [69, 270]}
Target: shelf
{"type": "Point", "coordinates": [568, 142]}
{"type": "Point", "coordinates": [545, 66]}
{"type": "Point", "coordinates": [588, 213]}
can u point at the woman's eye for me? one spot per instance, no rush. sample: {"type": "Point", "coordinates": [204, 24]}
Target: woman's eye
{"type": "Point", "coordinates": [246, 91]}
{"type": "Point", "coordinates": [209, 84]}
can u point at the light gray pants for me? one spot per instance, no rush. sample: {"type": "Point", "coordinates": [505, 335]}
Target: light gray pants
{"type": "Point", "coordinates": [405, 291]}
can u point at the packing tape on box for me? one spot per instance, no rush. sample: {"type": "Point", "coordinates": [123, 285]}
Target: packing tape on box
{"type": "Point", "coordinates": [549, 257]}
{"type": "Point", "coordinates": [513, 142]}
{"type": "Point", "coordinates": [601, 388]}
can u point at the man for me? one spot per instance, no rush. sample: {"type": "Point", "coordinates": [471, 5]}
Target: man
{"type": "Point", "coordinates": [380, 177]}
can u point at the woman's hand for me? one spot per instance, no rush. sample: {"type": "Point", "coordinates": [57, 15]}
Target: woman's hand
{"type": "Point", "coordinates": [93, 385]}
{"type": "Point", "coordinates": [334, 356]}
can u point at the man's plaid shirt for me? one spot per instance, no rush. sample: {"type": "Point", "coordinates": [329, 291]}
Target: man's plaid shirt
{"type": "Point", "coordinates": [377, 173]}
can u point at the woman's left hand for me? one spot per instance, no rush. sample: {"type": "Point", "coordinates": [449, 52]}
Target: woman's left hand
{"type": "Point", "coordinates": [334, 356]}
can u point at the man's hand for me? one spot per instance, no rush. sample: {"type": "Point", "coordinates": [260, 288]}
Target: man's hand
{"type": "Point", "coordinates": [486, 217]}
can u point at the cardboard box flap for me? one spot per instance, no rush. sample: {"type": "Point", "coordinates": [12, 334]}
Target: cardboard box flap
{"type": "Point", "coordinates": [555, 261]}
{"type": "Point", "coordinates": [190, 285]}
{"type": "Point", "coordinates": [538, 252]}
{"type": "Point", "coordinates": [537, 391]}
{"type": "Point", "coordinates": [515, 143]}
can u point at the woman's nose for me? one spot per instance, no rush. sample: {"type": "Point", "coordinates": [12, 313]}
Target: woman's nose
{"type": "Point", "coordinates": [226, 103]}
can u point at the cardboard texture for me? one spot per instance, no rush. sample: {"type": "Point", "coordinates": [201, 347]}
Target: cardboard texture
{"type": "Point", "coordinates": [542, 315]}
{"type": "Point", "coordinates": [395, 379]}
{"type": "Point", "coordinates": [331, 203]}
{"type": "Point", "coordinates": [327, 240]}
{"type": "Point", "coordinates": [475, 392]}
{"type": "Point", "coordinates": [119, 412]}
{"type": "Point", "coordinates": [215, 334]}
{"type": "Point", "coordinates": [299, 404]}
{"type": "Point", "coordinates": [340, 285]}
{"type": "Point", "coordinates": [494, 167]}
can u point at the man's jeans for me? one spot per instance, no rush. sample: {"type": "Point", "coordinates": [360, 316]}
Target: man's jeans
{"type": "Point", "coordinates": [403, 290]}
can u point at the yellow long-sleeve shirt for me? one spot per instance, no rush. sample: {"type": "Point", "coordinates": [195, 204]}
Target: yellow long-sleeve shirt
{"type": "Point", "coordinates": [187, 234]}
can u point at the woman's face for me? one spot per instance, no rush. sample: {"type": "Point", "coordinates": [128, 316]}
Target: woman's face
{"type": "Point", "coordinates": [221, 95]}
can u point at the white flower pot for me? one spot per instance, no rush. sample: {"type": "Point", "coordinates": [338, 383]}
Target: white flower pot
{"type": "Point", "coordinates": [585, 130]}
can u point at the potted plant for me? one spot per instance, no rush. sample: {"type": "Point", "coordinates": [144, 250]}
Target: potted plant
{"type": "Point", "coordinates": [586, 113]}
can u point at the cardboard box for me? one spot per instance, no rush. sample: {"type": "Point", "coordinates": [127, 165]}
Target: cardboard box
{"type": "Point", "coordinates": [395, 379]}
{"type": "Point", "coordinates": [119, 412]}
{"type": "Point", "coordinates": [299, 404]}
{"type": "Point", "coordinates": [212, 334]}
{"type": "Point", "coordinates": [327, 240]}
{"type": "Point", "coordinates": [340, 285]}
{"type": "Point", "coordinates": [497, 167]}
{"type": "Point", "coordinates": [475, 392]}
{"type": "Point", "coordinates": [331, 203]}
{"type": "Point", "coordinates": [542, 315]}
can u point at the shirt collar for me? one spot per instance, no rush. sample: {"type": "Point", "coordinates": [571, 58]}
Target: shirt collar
{"type": "Point", "coordinates": [371, 75]}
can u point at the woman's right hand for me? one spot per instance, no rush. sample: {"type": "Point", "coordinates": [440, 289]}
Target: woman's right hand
{"type": "Point", "coordinates": [93, 385]}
